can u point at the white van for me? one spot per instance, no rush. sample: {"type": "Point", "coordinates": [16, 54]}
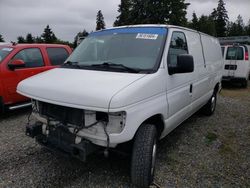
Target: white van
{"type": "Point", "coordinates": [236, 63]}
{"type": "Point", "coordinates": [131, 84]}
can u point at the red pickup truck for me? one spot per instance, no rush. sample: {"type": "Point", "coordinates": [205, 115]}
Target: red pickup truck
{"type": "Point", "coordinates": [21, 61]}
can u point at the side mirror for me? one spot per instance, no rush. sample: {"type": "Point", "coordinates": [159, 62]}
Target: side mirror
{"type": "Point", "coordinates": [16, 63]}
{"type": "Point", "coordinates": [185, 64]}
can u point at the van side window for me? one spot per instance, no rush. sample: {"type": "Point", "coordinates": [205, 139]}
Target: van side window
{"type": "Point", "coordinates": [235, 53]}
{"type": "Point", "coordinates": [32, 57]}
{"type": "Point", "coordinates": [57, 55]}
{"type": "Point", "coordinates": [178, 45]}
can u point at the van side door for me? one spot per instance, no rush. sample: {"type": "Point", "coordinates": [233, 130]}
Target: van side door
{"type": "Point", "coordinates": [179, 86]}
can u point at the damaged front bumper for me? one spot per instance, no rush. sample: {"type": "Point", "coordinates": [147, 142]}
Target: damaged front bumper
{"type": "Point", "coordinates": [61, 140]}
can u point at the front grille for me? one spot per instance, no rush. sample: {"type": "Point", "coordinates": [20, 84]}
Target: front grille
{"type": "Point", "coordinates": [230, 67]}
{"type": "Point", "coordinates": [61, 113]}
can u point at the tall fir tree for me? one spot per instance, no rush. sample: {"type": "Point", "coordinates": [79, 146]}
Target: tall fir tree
{"type": "Point", "coordinates": [240, 25]}
{"type": "Point", "coordinates": [247, 28]}
{"type": "Point", "coordinates": [236, 28]}
{"type": "Point", "coordinates": [124, 10]}
{"type": "Point", "coordinates": [21, 39]}
{"type": "Point", "coordinates": [1, 38]}
{"type": "Point", "coordinates": [207, 25]}
{"type": "Point", "coordinates": [48, 35]}
{"type": "Point", "coordinates": [29, 38]}
{"type": "Point", "coordinates": [84, 33]}
{"type": "Point", "coordinates": [100, 24]}
{"type": "Point", "coordinates": [152, 12]}
{"type": "Point", "coordinates": [178, 12]}
{"type": "Point", "coordinates": [221, 19]}
{"type": "Point", "coordinates": [195, 22]}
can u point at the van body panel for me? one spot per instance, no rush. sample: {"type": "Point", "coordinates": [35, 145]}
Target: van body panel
{"type": "Point", "coordinates": [77, 87]}
{"type": "Point", "coordinates": [174, 97]}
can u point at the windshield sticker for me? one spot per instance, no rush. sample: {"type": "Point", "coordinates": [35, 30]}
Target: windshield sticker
{"type": "Point", "coordinates": [7, 49]}
{"type": "Point", "coordinates": [146, 36]}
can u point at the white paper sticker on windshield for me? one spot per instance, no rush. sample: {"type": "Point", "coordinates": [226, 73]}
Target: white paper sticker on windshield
{"type": "Point", "coordinates": [146, 36]}
{"type": "Point", "coordinates": [7, 49]}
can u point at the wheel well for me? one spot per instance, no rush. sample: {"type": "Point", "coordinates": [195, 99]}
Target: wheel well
{"type": "Point", "coordinates": [217, 87]}
{"type": "Point", "coordinates": [156, 120]}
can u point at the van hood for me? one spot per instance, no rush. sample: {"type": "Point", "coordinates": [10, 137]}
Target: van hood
{"type": "Point", "coordinates": [76, 88]}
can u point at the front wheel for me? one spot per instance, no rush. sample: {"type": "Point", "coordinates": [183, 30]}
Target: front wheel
{"type": "Point", "coordinates": [144, 155]}
{"type": "Point", "coordinates": [209, 108]}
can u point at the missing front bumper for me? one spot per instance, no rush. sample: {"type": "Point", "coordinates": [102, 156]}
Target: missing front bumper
{"type": "Point", "coordinates": [61, 140]}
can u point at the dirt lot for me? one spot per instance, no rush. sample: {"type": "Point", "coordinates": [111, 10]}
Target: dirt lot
{"type": "Point", "coordinates": [202, 152]}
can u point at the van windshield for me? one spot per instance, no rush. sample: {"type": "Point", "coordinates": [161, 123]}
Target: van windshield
{"type": "Point", "coordinates": [120, 49]}
{"type": "Point", "coordinates": [4, 51]}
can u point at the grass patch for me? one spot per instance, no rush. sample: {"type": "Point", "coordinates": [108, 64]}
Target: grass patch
{"type": "Point", "coordinates": [210, 137]}
{"type": "Point", "coordinates": [226, 150]}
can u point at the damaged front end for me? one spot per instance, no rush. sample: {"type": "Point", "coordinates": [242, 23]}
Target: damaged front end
{"type": "Point", "coordinates": [73, 131]}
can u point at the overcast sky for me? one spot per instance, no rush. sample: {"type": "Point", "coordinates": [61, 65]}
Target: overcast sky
{"type": "Point", "coordinates": [68, 17]}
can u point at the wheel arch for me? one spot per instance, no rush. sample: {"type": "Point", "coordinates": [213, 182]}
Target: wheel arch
{"type": "Point", "coordinates": [156, 120]}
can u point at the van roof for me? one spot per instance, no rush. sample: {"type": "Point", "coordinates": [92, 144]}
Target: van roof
{"type": "Point", "coordinates": [156, 25]}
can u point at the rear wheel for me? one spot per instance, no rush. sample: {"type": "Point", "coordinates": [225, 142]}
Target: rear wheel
{"type": "Point", "coordinates": [144, 155]}
{"type": "Point", "coordinates": [209, 108]}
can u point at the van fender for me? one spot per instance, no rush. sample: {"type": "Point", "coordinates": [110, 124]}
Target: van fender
{"type": "Point", "coordinates": [138, 113]}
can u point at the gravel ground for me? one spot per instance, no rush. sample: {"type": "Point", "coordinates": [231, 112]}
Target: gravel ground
{"type": "Point", "coordinates": [202, 152]}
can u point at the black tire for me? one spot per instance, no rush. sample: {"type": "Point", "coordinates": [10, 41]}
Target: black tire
{"type": "Point", "coordinates": [144, 155]}
{"type": "Point", "coordinates": [209, 108]}
{"type": "Point", "coordinates": [244, 83]}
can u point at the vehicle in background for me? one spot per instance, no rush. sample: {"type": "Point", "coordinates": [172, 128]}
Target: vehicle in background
{"type": "Point", "coordinates": [236, 63]}
{"type": "Point", "coordinates": [131, 84]}
{"type": "Point", "coordinates": [20, 61]}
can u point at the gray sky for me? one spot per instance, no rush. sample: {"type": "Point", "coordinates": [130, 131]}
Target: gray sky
{"type": "Point", "coordinates": [68, 17]}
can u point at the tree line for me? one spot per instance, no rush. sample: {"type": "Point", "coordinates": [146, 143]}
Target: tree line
{"type": "Point", "coordinates": [156, 12]}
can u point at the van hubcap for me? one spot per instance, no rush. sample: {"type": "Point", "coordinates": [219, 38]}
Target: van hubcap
{"type": "Point", "coordinates": [153, 158]}
{"type": "Point", "coordinates": [212, 103]}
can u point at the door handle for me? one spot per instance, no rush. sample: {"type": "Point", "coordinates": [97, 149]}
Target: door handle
{"type": "Point", "coordinates": [191, 88]}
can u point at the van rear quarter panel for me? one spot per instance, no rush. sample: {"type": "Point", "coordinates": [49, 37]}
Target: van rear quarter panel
{"type": "Point", "coordinates": [213, 59]}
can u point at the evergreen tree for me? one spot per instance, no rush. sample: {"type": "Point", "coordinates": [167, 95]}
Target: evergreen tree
{"type": "Point", "coordinates": [247, 28]}
{"type": "Point", "coordinates": [38, 40]}
{"type": "Point", "coordinates": [29, 38]}
{"type": "Point", "coordinates": [195, 22]}
{"type": "Point", "coordinates": [124, 10]}
{"type": "Point", "coordinates": [152, 12]}
{"type": "Point", "coordinates": [1, 38]}
{"type": "Point", "coordinates": [236, 28]}
{"type": "Point", "coordinates": [48, 35]}
{"type": "Point", "coordinates": [240, 25]}
{"type": "Point", "coordinates": [207, 25]}
{"type": "Point", "coordinates": [221, 19]}
{"type": "Point", "coordinates": [178, 12]}
{"type": "Point", "coordinates": [80, 34]}
{"type": "Point", "coordinates": [21, 39]}
{"type": "Point", "coordinates": [100, 24]}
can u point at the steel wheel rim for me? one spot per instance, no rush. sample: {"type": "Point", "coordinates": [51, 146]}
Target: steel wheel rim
{"type": "Point", "coordinates": [153, 158]}
{"type": "Point", "coordinates": [213, 103]}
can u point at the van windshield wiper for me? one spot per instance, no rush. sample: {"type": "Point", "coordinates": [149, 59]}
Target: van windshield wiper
{"type": "Point", "coordinates": [114, 65]}
{"type": "Point", "coordinates": [71, 64]}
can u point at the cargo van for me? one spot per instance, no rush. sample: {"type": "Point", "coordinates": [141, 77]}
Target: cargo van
{"type": "Point", "coordinates": [236, 63]}
{"type": "Point", "coordinates": [131, 84]}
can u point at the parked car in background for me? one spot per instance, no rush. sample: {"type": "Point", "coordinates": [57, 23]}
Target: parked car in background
{"type": "Point", "coordinates": [128, 84]}
{"type": "Point", "coordinates": [21, 61]}
{"type": "Point", "coordinates": [236, 63]}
